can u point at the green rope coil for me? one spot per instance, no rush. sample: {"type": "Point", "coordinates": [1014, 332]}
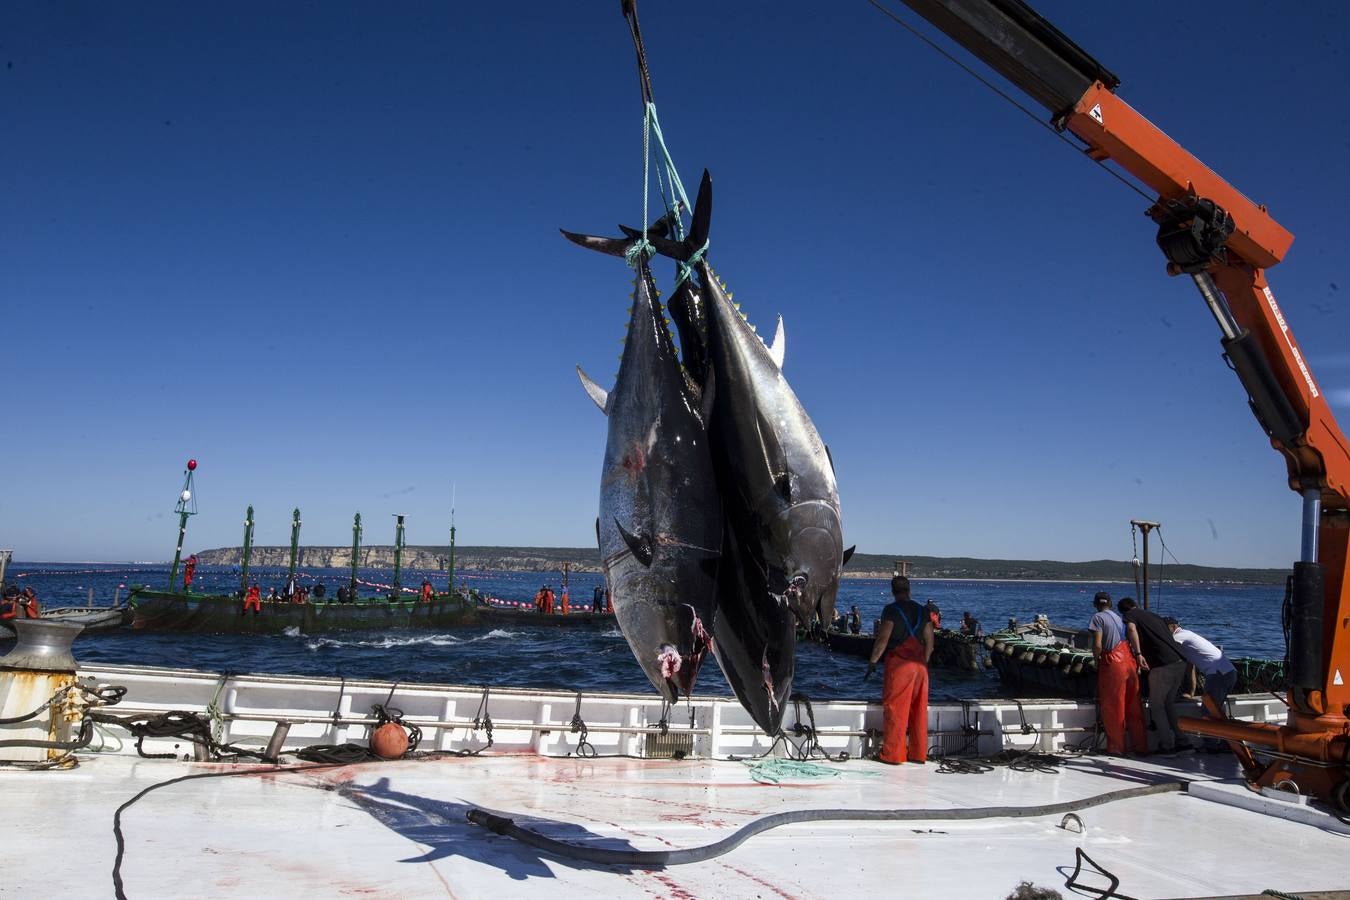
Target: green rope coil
{"type": "Point", "coordinates": [774, 770]}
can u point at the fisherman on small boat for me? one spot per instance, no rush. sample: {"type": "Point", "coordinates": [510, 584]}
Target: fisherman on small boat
{"type": "Point", "coordinates": [971, 625]}
{"type": "Point", "coordinates": [598, 599]}
{"type": "Point", "coordinates": [189, 569]}
{"type": "Point", "coordinates": [1117, 679]}
{"type": "Point", "coordinates": [253, 599]}
{"type": "Point", "coordinates": [272, 594]}
{"type": "Point", "coordinates": [854, 620]}
{"type": "Point", "coordinates": [539, 599]}
{"type": "Point", "coordinates": [18, 604]}
{"type": "Point", "coordinates": [934, 614]}
{"type": "Point", "coordinates": [426, 591]}
{"type": "Point", "coordinates": [905, 638]}
{"type": "Point", "coordinates": [548, 600]}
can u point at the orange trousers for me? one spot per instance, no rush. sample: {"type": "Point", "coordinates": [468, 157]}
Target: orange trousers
{"type": "Point", "coordinates": [904, 700]}
{"type": "Point", "coordinates": [1118, 699]}
{"type": "Point", "coordinates": [252, 602]}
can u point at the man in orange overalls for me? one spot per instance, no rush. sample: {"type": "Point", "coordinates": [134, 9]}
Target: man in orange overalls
{"type": "Point", "coordinates": [1117, 679]}
{"type": "Point", "coordinates": [189, 569]}
{"type": "Point", "coordinates": [905, 638]}
{"type": "Point", "coordinates": [426, 591]}
{"type": "Point", "coordinates": [548, 601]}
{"type": "Point", "coordinates": [253, 599]}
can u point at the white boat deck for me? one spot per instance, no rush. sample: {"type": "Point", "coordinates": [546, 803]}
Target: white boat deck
{"type": "Point", "coordinates": [398, 829]}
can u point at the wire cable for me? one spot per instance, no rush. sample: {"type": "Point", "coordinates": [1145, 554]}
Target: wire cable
{"type": "Point", "coordinates": [1035, 117]}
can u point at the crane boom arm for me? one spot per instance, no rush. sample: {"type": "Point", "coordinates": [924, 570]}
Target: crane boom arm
{"type": "Point", "coordinates": [1213, 232]}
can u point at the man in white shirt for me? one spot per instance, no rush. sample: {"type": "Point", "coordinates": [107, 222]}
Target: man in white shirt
{"type": "Point", "coordinates": [1220, 676]}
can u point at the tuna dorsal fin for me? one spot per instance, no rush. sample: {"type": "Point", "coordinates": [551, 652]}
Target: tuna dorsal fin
{"type": "Point", "coordinates": [597, 531]}
{"type": "Point", "coordinates": [848, 554]}
{"type": "Point", "coordinates": [594, 391]}
{"type": "Point", "coordinates": [641, 546]}
{"type": "Point", "coordinates": [779, 345]}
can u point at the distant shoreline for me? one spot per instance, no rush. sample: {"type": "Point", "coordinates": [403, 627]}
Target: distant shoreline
{"type": "Point", "coordinates": [529, 560]}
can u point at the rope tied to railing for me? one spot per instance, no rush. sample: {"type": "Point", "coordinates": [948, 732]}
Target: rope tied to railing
{"type": "Point", "coordinates": [578, 726]}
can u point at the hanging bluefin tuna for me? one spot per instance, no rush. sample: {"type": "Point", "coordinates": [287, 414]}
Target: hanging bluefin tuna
{"type": "Point", "coordinates": [660, 525]}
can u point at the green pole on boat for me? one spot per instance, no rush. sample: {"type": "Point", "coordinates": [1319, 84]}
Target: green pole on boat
{"type": "Point", "coordinates": [295, 544]}
{"type": "Point", "coordinates": [187, 506]}
{"type": "Point", "coordinates": [356, 554]}
{"type": "Point", "coordinates": [248, 551]}
{"type": "Point", "coordinates": [451, 564]}
{"type": "Point", "coordinates": [398, 556]}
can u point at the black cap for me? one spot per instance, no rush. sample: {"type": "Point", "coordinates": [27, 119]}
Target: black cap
{"type": "Point", "coordinates": [1168, 620]}
{"type": "Point", "coordinates": [1101, 595]}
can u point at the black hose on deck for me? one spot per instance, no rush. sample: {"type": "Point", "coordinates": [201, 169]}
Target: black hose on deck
{"type": "Point", "coordinates": [656, 858]}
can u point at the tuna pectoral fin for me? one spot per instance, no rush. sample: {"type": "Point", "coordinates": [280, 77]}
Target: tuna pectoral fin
{"type": "Point", "coordinates": [610, 246]}
{"type": "Point", "coordinates": [779, 346]}
{"type": "Point", "coordinates": [775, 460]}
{"type": "Point", "coordinates": [594, 391]}
{"type": "Point", "coordinates": [848, 554]}
{"type": "Point", "coordinates": [705, 403]}
{"type": "Point", "coordinates": [640, 545]}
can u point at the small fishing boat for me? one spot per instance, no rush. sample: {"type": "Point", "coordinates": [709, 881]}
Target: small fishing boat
{"type": "Point", "coordinates": [1050, 659]}
{"type": "Point", "coordinates": [951, 649]}
{"type": "Point", "coordinates": [217, 614]}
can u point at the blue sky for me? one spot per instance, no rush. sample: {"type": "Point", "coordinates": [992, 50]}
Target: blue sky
{"type": "Point", "coordinates": [315, 247]}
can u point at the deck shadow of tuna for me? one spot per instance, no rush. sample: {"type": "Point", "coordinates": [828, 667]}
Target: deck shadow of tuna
{"type": "Point", "coordinates": [442, 826]}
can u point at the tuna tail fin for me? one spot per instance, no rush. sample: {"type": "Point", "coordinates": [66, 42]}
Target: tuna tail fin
{"type": "Point", "coordinates": [597, 394]}
{"type": "Point", "coordinates": [606, 245]}
{"type": "Point", "coordinates": [662, 226]}
{"type": "Point", "coordinates": [699, 227]}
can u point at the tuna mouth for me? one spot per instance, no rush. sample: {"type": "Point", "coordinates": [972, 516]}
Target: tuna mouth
{"type": "Point", "coordinates": [670, 661]}
{"type": "Point", "coordinates": [796, 588]}
{"type": "Point", "coordinates": [680, 670]}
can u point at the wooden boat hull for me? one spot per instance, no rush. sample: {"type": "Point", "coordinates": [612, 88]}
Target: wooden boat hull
{"type": "Point", "coordinates": [215, 614]}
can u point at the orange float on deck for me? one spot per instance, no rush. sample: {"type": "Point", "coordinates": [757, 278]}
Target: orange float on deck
{"type": "Point", "coordinates": [389, 741]}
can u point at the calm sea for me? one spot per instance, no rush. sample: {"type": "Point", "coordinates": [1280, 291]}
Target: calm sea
{"type": "Point", "coordinates": [1244, 620]}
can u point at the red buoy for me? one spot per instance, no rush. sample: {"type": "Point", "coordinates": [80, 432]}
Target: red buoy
{"type": "Point", "coordinates": [192, 464]}
{"type": "Point", "coordinates": [389, 741]}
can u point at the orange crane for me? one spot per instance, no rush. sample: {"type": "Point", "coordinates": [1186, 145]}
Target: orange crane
{"type": "Point", "coordinates": [1211, 232]}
